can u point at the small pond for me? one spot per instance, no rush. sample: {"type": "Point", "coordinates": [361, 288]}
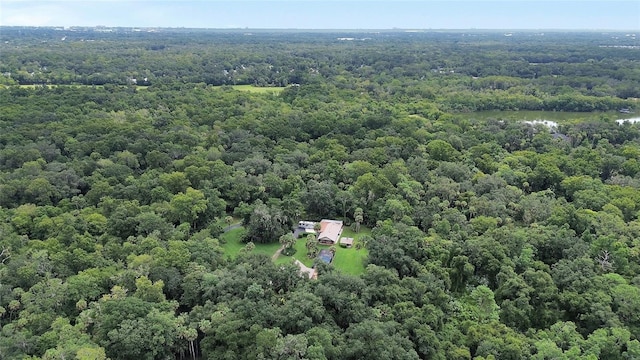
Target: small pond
{"type": "Point", "coordinates": [552, 118]}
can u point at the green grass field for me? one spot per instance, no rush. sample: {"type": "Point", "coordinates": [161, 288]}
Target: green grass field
{"type": "Point", "coordinates": [349, 261]}
{"type": "Point", "coordinates": [301, 254]}
{"type": "Point", "coordinates": [233, 244]}
{"type": "Point", "coordinates": [249, 88]}
{"type": "Point", "coordinates": [257, 89]}
{"type": "Point", "coordinates": [267, 249]}
{"type": "Point", "coordinates": [138, 87]}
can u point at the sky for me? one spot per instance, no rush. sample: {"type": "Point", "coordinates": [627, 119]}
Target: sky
{"type": "Point", "coordinates": [328, 14]}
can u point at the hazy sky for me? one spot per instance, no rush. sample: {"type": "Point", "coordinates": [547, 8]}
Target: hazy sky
{"type": "Point", "coordinates": [332, 14]}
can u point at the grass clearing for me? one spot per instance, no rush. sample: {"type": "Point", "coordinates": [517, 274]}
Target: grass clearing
{"type": "Point", "coordinates": [259, 90]}
{"type": "Point", "coordinates": [256, 89]}
{"type": "Point", "coordinates": [51, 86]}
{"type": "Point", "coordinates": [233, 244]}
{"type": "Point", "coordinates": [300, 254]}
{"type": "Point", "coordinates": [267, 249]}
{"type": "Point", "coordinates": [248, 88]}
{"type": "Point", "coordinates": [349, 261]}
{"type": "Point", "coordinates": [232, 241]}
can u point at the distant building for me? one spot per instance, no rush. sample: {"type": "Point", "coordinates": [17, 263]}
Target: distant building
{"type": "Point", "coordinates": [330, 231]}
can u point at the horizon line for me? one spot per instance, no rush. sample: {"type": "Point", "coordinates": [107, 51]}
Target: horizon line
{"type": "Point", "coordinates": [408, 29]}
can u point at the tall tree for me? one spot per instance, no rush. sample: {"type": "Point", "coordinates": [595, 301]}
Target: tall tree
{"type": "Point", "coordinates": [358, 216]}
{"type": "Point", "coordinates": [185, 207]}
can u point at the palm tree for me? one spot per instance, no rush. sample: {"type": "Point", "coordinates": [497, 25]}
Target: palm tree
{"type": "Point", "coordinates": [287, 240]}
{"type": "Point", "coordinates": [312, 246]}
{"type": "Point", "coordinates": [358, 215]}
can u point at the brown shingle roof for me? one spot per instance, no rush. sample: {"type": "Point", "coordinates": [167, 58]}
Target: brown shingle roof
{"type": "Point", "coordinates": [330, 230]}
{"type": "Point", "coordinates": [346, 241]}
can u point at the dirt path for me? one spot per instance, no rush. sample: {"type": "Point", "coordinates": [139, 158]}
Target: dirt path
{"type": "Point", "coordinates": [231, 227]}
{"type": "Point", "coordinates": [275, 256]}
{"type": "Point", "coordinates": [307, 271]}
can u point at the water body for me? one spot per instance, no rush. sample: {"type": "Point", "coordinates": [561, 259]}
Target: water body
{"type": "Point", "coordinates": [632, 120]}
{"type": "Point", "coordinates": [553, 118]}
{"type": "Point", "coordinates": [548, 123]}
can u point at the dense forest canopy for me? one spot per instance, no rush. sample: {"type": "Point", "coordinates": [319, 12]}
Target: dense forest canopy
{"type": "Point", "coordinates": [143, 194]}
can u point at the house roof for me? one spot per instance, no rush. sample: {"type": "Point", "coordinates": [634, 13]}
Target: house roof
{"type": "Point", "coordinates": [307, 271]}
{"type": "Point", "coordinates": [346, 241]}
{"type": "Point", "coordinates": [330, 230]}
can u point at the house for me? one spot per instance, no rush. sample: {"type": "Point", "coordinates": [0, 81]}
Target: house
{"type": "Point", "coordinates": [330, 231]}
{"type": "Point", "coordinates": [346, 242]}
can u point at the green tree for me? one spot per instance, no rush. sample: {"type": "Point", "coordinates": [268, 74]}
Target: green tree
{"type": "Point", "coordinates": [40, 191]}
{"type": "Point", "coordinates": [287, 241]}
{"type": "Point", "coordinates": [176, 182]}
{"type": "Point", "coordinates": [312, 246]}
{"type": "Point", "coordinates": [185, 207]}
{"type": "Point", "coordinates": [149, 337]}
{"type": "Point", "coordinates": [377, 340]}
{"type": "Point", "coordinates": [266, 224]}
{"type": "Point", "coordinates": [320, 199]}
{"type": "Point", "coordinates": [71, 342]}
{"type": "Point", "coordinates": [358, 215]}
{"type": "Point", "coordinates": [441, 150]}
{"type": "Point", "coordinates": [486, 308]}
{"type": "Point", "coordinates": [148, 291]}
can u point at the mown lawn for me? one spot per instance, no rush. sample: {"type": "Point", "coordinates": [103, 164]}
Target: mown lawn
{"type": "Point", "coordinates": [301, 254]}
{"type": "Point", "coordinates": [51, 86]}
{"type": "Point", "coordinates": [231, 241]}
{"type": "Point", "coordinates": [267, 249]}
{"type": "Point", "coordinates": [233, 244]}
{"type": "Point", "coordinates": [256, 89]}
{"type": "Point", "coordinates": [349, 261]}
{"type": "Point", "coordinates": [249, 88]}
